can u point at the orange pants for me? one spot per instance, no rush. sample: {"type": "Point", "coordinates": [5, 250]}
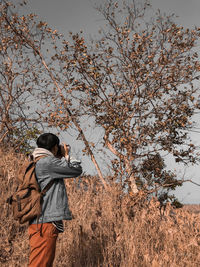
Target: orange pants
{"type": "Point", "coordinates": [42, 248]}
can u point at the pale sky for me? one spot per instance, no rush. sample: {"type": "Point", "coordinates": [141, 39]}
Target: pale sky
{"type": "Point", "coordinates": [76, 15]}
{"type": "Point", "coordinates": [73, 15]}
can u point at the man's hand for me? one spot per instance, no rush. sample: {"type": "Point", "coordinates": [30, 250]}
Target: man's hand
{"type": "Point", "coordinates": [66, 150]}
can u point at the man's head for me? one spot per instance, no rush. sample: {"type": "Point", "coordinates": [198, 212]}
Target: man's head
{"type": "Point", "coordinates": [48, 141]}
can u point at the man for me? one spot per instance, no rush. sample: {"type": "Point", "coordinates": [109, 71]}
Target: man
{"type": "Point", "coordinates": [43, 233]}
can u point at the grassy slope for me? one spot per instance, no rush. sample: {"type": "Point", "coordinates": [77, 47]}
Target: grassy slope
{"type": "Point", "coordinates": [108, 229]}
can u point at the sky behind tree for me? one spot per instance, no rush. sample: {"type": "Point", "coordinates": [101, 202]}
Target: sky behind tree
{"type": "Point", "coordinates": [76, 15]}
{"type": "Point", "coordinates": [73, 15]}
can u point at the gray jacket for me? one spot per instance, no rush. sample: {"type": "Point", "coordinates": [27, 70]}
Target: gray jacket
{"type": "Point", "coordinates": [55, 202]}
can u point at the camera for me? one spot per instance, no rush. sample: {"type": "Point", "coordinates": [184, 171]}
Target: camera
{"type": "Point", "coordinates": [61, 151]}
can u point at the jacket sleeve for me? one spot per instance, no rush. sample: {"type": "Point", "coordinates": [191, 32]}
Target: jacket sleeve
{"type": "Point", "coordinates": [60, 168]}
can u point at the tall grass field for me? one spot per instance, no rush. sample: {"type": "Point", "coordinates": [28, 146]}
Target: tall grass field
{"type": "Point", "coordinates": [109, 228]}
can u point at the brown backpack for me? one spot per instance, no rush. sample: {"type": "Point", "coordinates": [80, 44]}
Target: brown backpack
{"type": "Point", "coordinates": [27, 201]}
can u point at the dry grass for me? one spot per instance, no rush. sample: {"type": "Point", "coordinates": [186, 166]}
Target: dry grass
{"type": "Point", "coordinates": [192, 208]}
{"type": "Point", "coordinates": [108, 229]}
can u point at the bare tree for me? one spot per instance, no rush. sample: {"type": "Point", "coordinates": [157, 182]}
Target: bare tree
{"type": "Point", "coordinates": [43, 45]}
{"type": "Point", "coordinates": [18, 121]}
{"type": "Point", "coordinates": [137, 83]}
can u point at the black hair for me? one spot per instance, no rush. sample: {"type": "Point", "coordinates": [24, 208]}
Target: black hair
{"type": "Point", "coordinates": [47, 141]}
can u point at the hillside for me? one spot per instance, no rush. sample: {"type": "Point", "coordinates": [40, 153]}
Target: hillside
{"type": "Point", "coordinates": [108, 229]}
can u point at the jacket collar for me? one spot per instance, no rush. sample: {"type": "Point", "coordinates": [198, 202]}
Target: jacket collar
{"type": "Point", "coordinates": [38, 152]}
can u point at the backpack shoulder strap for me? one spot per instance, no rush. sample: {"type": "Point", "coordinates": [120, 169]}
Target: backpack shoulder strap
{"type": "Point", "coordinates": [49, 185]}
{"type": "Point", "coordinates": [38, 158]}
{"type": "Point", "coordinates": [31, 164]}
